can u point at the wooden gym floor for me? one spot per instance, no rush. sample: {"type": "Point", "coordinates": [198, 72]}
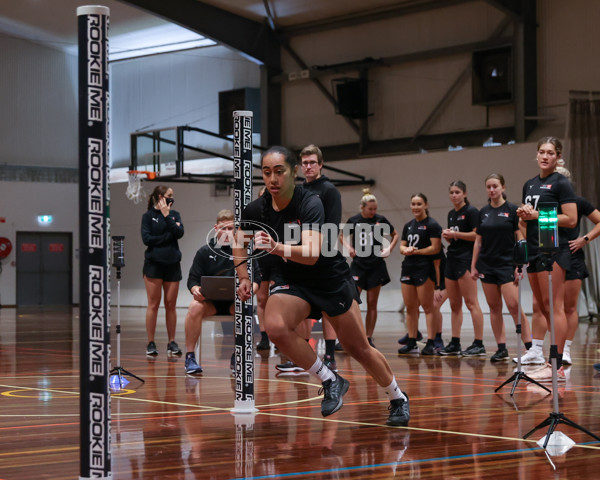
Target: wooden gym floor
{"type": "Point", "coordinates": [177, 427]}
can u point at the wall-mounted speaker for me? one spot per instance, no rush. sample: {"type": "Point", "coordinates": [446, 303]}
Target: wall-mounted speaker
{"type": "Point", "coordinates": [352, 97]}
{"type": "Point", "coordinates": [239, 99]}
{"type": "Point", "coordinates": [492, 77]}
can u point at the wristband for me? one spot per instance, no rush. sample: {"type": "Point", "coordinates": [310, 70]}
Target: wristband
{"type": "Point", "coordinates": [586, 238]}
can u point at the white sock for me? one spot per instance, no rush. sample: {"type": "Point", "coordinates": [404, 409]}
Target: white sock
{"type": "Point", "coordinates": [567, 348]}
{"type": "Point", "coordinates": [321, 371]}
{"type": "Point", "coordinates": [537, 344]}
{"type": "Point", "coordinates": [393, 391]}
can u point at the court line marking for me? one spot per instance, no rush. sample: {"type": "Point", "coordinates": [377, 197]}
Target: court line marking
{"type": "Point", "coordinates": [416, 429]}
{"type": "Point", "coordinates": [206, 408]}
{"type": "Point", "coordinates": [391, 464]}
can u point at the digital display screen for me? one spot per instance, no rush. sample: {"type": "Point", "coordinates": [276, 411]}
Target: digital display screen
{"type": "Point", "coordinates": [548, 227]}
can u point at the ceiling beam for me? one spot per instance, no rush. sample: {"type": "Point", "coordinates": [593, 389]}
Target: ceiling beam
{"type": "Point", "coordinates": [371, 15]}
{"type": "Point", "coordinates": [356, 65]}
{"type": "Point", "coordinates": [251, 38]}
{"type": "Point", "coordinates": [512, 8]}
{"type": "Point", "coordinates": [425, 143]}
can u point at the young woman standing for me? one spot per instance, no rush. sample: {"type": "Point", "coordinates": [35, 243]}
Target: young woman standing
{"type": "Point", "coordinates": [573, 279]}
{"type": "Point", "coordinates": [548, 187]}
{"type": "Point", "coordinates": [367, 232]}
{"type": "Point", "coordinates": [420, 244]}
{"type": "Point", "coordinates": [493, 262]}
{"type": "Point", "coordinates": [161, 228]}
{"type": "Point", "coordinates": [460, 235]}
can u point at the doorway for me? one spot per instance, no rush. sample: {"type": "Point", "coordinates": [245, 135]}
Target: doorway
{"type": "Point", "coordinates": [44, 269]}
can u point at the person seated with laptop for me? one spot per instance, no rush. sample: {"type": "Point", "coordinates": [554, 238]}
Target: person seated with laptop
{"type": "Point", "coordinates": [211, 283]}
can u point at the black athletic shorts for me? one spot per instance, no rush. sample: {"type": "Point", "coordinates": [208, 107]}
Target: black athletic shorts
{"type": "Point", "coordinates": [499, 275]}
{"type": "Point", "coordinates": [334, 301]}
{"type": "Point", "coordinates": [222, 306]}
{"type": "Point", "coordinates": [578, 269]}
{"type": "Point", "coordinates": [417, 277]}
{"type": "Point", "coordinates": [167, 273]}
{"type": "Point", "coordinates": [457, 267]}
{"type": "Point", "coordinates": [538, 262]}
{"type": "Point", "coordinates": [367, 278]}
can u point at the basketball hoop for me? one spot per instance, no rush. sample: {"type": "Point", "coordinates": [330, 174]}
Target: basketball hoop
{"type": "Point", "coordinates": [134, 191]}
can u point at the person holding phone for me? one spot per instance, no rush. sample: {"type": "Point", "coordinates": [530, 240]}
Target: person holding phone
{"type": "Point", "coordinates": [161, 228]}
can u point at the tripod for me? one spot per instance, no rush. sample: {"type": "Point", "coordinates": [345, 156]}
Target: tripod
{"type": "Point", "coordinates": [519, 374]}
{"type": "Point", "coordinates": [554, 417]}
{"type": "Point", "coordinates": [119, 371]}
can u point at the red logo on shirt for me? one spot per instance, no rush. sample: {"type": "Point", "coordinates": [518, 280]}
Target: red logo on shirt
{"type": "Point", "coordinates": [546, 187]}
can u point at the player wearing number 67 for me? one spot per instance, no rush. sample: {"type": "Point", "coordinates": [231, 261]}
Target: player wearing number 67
{"type": "Point", "coordinates": [420, 243]}
{"type": "Point", "coordinates": [549, 187]}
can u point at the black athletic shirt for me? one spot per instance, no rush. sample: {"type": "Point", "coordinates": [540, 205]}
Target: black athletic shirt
{"type": "Point", "coordinates": [553, 189]}
{"type": "Point", "coordinates": [304, 212]}
{"type": "Point", "coordinates": [366, 237]}
{"type": "Point", "coordinates": [160, 235]}
{"type": "Point", "coordinates": [330, 198]}
{"type": "Point", "coordinates": [584, 209]}
{"type": "Point", "coordinates": [463, 220]}
{"type": "Point", "coordinates": [419, 234]}
{"type": "Point", "coordinates": [497, 227]}
{"type": "Point", "coordinates": [332, 206]}
{"type": "Point", "coordinates": [215, 261]}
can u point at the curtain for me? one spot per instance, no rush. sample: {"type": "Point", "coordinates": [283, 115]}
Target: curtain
{"type": "Point", "coordinates": [583, 160]}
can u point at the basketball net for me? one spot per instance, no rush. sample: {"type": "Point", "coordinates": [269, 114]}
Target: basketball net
{"type": "Point", "coordinates": [134, 191]}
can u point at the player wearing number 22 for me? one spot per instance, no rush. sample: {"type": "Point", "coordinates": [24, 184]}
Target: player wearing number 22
{"type": "Point", "coordinates": [420, 244]}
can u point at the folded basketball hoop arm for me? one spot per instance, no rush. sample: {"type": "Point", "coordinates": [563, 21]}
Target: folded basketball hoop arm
{"type": "Point", "coordinates": [159, 139]}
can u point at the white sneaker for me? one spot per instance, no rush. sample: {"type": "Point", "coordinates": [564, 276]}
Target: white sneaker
{"type": "Point", "coordinates": [566, 360]}
{"type": "Point", "coordinates": [532, 357]}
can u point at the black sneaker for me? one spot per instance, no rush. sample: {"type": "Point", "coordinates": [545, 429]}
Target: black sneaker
{"type": "Point", "coordinates": [500, 355]}
{"type": "Point", "coordinates": [404, 339]}
{"type": "Point", "coordinates": [338, 347]}
{"type": "Point", "coordinates": [264, 344]}
{"type": "Point", "coordinates": [409, 349]}
{"type": "Point", "coordinates": [289, 366]}
{"type": "Point", "coordinates": [330, 363]}
{"type": "Point", "coordinates": [191, 365]}
{"type": "Point", "coordinates": [428, 349]}
{"type": "Point", "coordinates": [333, 391]}
{"type": "Point", "coordinates": [399, 412]}
{"type": "Point", "coordinates": [371, 342]}
{"type": "Point", "coordinates": [438, 344]}
{"type": "Point", "coordinates": [173, 349]}
{"type": "Point", "coordinates": [474, 351]}
{"type": "Point", "coordinates": [451, 349]}
{"type": "Point", "coordinates": [151, 350]}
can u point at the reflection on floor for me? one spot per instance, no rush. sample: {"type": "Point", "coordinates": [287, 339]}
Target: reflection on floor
{"type": "Point", "coordinates": [178, 427]}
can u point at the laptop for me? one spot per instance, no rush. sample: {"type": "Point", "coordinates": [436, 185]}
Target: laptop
{"type": "Point", "coordinates": [218, 288]}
